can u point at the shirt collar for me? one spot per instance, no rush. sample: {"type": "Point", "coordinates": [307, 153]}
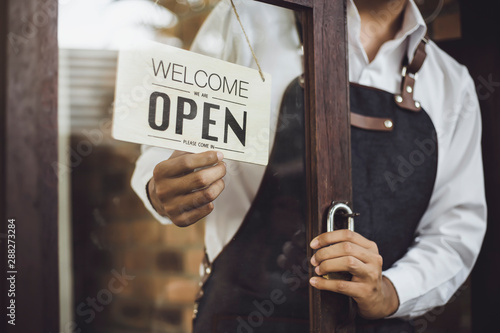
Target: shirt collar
{"type": "Point", "coordinates": [412, 30]}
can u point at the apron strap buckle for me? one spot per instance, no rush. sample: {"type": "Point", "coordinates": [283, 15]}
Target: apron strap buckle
{"type": "Point", "coordinates": [405, 99]}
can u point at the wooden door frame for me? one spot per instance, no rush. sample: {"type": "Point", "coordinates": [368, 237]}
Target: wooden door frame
{"type": "Point", "coordinates": [328, 146]}
{"type": "Point", "coordinates": [28, 149]}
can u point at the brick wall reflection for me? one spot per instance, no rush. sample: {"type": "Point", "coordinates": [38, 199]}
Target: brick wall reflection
{"type": "Point", "coordinates": [113, 231]}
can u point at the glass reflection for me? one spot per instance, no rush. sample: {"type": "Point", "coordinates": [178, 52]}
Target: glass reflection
{"type": "Point", "coordinates": [123, 271]}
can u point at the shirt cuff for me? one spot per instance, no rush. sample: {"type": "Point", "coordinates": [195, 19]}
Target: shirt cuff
{"type": "Point", "coordinates": [406, 289]}
{"type": "Point", "coordinates": [139, 183]}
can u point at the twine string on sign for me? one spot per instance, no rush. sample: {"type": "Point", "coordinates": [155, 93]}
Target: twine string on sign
{"type": "Point", "coordinates": [246, 37]}
{"type": "Point", "coordinates": [248, 41]}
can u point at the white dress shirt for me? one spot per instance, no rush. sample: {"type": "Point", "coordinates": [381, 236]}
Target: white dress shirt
{"type": "Point", "coordinates": [449, 235]}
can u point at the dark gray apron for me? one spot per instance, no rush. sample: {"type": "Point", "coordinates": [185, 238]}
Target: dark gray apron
{"type": "Point", "coordinates": [258, 283]}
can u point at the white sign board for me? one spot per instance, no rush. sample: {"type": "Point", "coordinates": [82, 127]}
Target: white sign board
{"type": "Point", "coordinates": [172, 98]}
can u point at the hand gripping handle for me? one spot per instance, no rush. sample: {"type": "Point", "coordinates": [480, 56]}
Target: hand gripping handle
{"type": "Point", "coordinates": [339, 208]}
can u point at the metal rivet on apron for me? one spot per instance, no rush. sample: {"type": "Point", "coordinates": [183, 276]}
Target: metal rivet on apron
{"type": "Point", "coordinates": [388, 124]}
{"type": "Point", "coordinates": [409, 89]}
{"type": "Point", "coordinates": [399, 99]}
{"type": "Point", "coordinates": [195, 310]}
{"type": "Point", "coordinates": [417, 105]}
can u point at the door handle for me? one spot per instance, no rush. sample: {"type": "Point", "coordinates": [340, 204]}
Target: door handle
{"type": "Point", "coordinates": [343, 209]}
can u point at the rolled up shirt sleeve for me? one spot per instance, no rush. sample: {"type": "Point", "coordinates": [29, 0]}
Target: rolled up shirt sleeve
{"type": "Point", "coordinates": [450, 234]}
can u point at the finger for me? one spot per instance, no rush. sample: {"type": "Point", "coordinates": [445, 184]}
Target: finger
{"type": "Point", "coordinates": [199, 198]}
{"type": "Point", "coordinates": [341, 250]}
{"type": "Point", "coordinates": [344, 264]}
{"type": "Point", "coordinates": [178, 153]}
{"type": "Point", "coordinates": [343, 235]}
{"type": "Point", "coordinates": [299, 239]}
{"type": "Point", "coordinates": [282, 261]}
{"type": "Point", "coordinates": [288, 249]}
{"type": "Point", "coordinates": [195, 181]}
{"type": "Point", "coordinates": [172, 159]}
{"type": "Point", "coordinates": [203, 177]}
{"type": "Point", "coordinates": [285, 262]}
{"type": "Point", "coordinates": [192, 216]}
{"type": "Point", "coordinates": [185, 163]}
{"type": "Point", "coordinates": [349, 288]}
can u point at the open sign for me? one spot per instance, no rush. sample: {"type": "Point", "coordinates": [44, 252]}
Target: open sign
{"type": "Point", "coordinates": [177, 99]}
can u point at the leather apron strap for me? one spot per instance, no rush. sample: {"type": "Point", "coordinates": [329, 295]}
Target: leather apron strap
{"type": "Point", "coordinates": [404, 99]}
{"type": "Point", "coordinates": [409, 72]}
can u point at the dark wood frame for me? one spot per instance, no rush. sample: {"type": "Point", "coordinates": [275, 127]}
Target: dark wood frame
{"type": "Point", "coordinates": [28, 148]}
{"type": "Point", "coordinates": [328, 146]}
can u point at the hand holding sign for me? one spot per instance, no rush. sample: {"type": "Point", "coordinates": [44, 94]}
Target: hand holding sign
{"type": "Point", "coordinates": [182, 191]}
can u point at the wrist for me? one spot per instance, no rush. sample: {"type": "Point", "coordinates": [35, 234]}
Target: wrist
{"type": "Point", "coordinates": [391, 298]}
{"type": "Point", "coordinates": [385, 304]}
{"type": "Point", "coordinates": [150, 193]}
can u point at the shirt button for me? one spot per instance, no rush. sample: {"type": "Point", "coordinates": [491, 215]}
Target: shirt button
{"type": "Point", "coordinates": [208, 270]}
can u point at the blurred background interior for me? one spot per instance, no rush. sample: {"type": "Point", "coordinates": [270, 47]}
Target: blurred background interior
{"type": "Point", "coordinates": [104, 229]}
